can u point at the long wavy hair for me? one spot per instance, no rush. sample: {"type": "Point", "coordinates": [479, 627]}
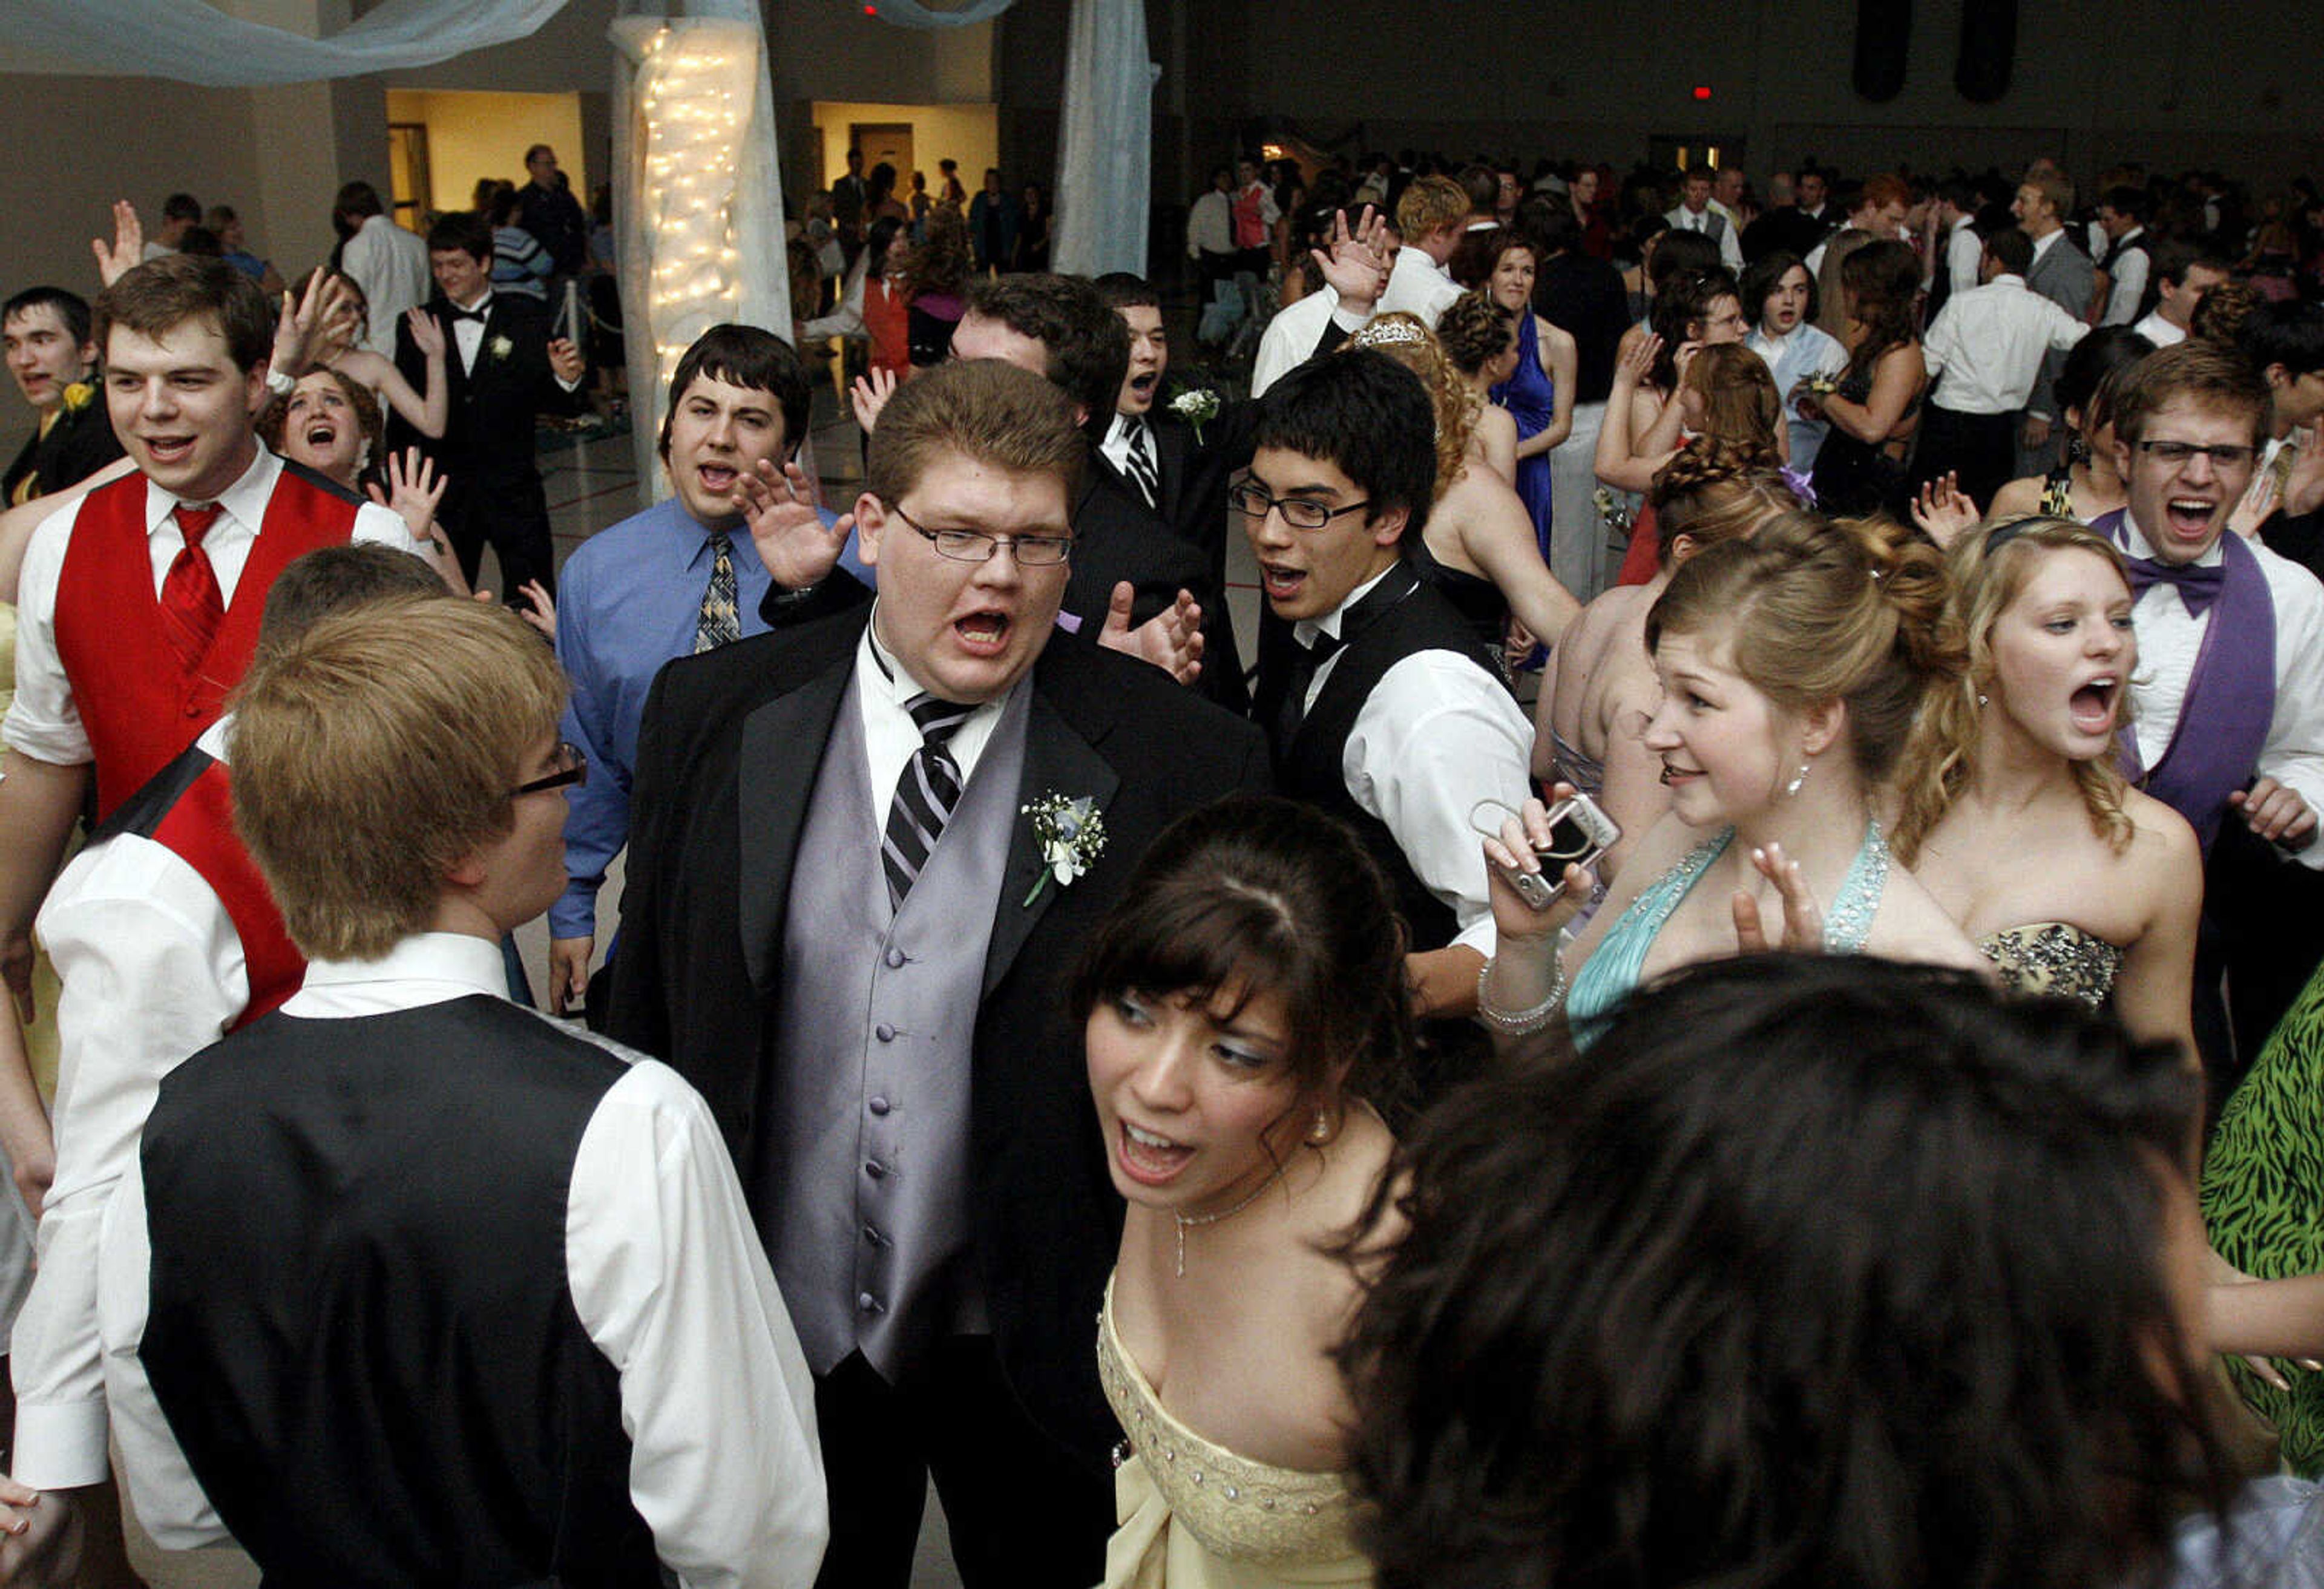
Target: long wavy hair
{"type": "Point", "coordinates": [1880, 283]}
{"type": "Point", "coordinates": [1984, 571]}
{"type": "Point", "coordinates": [1407, 339]}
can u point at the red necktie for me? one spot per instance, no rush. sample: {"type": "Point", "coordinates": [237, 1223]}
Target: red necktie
{"type": "Point", "coordinates": [191, 607]}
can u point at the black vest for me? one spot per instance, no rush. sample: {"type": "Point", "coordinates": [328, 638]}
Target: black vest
{"type": "Point", "coordinates": [1309, 767]}
{"type": "Point", "coordinates": [362, 1331]}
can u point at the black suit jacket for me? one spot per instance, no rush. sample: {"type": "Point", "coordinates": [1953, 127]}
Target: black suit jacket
{"type": "Point", "coordinates": [77, 447]}
{"type": "Point", "coordinates": [1584, 298]}
{"type": "Point", "coordinates": [488, 434]}
{"type": "Point", "coordinates": [727, 760]}
{"type": "Point", "coordinates": [1117, 536]}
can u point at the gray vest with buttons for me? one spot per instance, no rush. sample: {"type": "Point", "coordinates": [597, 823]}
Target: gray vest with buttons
{"type": "Point", "coordinates": [864, 1184]}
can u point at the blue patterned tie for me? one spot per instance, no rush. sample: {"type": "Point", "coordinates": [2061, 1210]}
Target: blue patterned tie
{"type": "Point", "coordinates": [721, 622]}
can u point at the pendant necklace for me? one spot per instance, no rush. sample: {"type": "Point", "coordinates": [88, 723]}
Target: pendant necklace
{"type": "Point", "coordinates": [1185, 1221]}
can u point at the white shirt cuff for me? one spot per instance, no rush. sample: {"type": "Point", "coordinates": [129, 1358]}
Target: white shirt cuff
{"type": "Point", "coordinates": [60, 1444]}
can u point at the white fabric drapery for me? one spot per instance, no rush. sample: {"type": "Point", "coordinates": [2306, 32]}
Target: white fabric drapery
{"type": "Point", "coordinates": [697, 183]}
{"type": "Point", "coordinates": [1105, 147]}
{"type": "Point", "coordinates": [189, 41]}
{"type": "Point", "coordinates": [911, 13]}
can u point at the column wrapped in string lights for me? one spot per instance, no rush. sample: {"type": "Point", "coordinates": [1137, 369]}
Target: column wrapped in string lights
{"type": "Point", "coordinates": [698, 201]}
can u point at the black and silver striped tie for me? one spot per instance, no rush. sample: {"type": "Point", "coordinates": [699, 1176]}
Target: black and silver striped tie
{"type": "Point", "coordinates": [924, 795]}
{"type": "Point", "coordinates": [1141, 463]}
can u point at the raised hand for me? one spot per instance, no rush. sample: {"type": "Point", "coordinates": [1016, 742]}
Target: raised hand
{"type": "Point", "coordinates": [1634, 366]}
{"type": "Point", "coordinates": [869, 395]}
{"type": "Point", "coordinates": [304, 325]}
{"type": "Point", "coordinates": [1802, 916]}
{"type": "Point", "coordinates": [566, 362]}
{"type": "Point", "coordinates": [2303, 490]}
{"type": "Point", "coordinates": [1172, 639]}
{"type": "Point", "coordinates": [413, 490]}
{"type": "Point", "coordinates": [797, 548]}
{"type": "Point", "coordinates": [1356, 265]}
{"type": "Point", "coordinates": [427, 332]}
{"type": "Point", "coordinates": [128, 247]}
{"type": "Point", "coordinates": [536, 607]}
{"type": "Point", "coordinates": [1943, 510]}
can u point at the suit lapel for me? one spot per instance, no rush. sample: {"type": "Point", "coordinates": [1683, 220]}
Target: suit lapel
{"type": "Point", "coordinates": [1057, 760]}
{"type": "Point", "coordinates": [1170, 455]}
{"type": "Point", "coordinates": [770, 809]}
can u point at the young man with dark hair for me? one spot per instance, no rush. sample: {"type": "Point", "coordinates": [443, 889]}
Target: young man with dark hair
{"type": "Point", "coordinates": [1694, 212]}
{"type": "Point", "coordinates": [2286, 342]}
{"type": "Point", "coordinates": [389, 262]}
{"type": "Point", "coordinates": [1377, 702]}
{"type": "Point", "coordinates": [841, 925]}
{"type": "Point", "coordinates": [547, 208]}
{"type": "Point", "coordinates": [505, 370]}
{"type": "Point", "coordinates": [1961, 251]}
{"type": "Point", "coordinates": [2123, 268]}
{"type": "Point", "coordinates": [2181, 273]}
{"type": "Point", "coordinates": [51, 352]}
{"type": "Point", "coordinates": [628, 1399]}
{"type": "Point", "coordinates": [680, 578]}
{"type": "Point", "coordinates": [181, 212]}
{"type": "Point", "coordinates": [139, 605]}
{"type": "Point", "coordinates": [1984, 353]}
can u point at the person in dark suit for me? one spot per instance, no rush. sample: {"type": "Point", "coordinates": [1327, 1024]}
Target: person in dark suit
{"type": "Point", "coordinates": [880, 1024]}
{"type": "Point", "coordinates": [50, 350]}
{"type": "Point", "coordinates": [507, 369]}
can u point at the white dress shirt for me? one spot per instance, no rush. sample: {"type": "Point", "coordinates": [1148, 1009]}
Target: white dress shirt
{"type": "Point", "coordinates": [151, 971]}
{"type": "Point", "coordinates": [666, 1275]}
{"type": "Point", "coordinates": [1209, 225]}
{"type": "Point", "coordinates": [1436, 735]}
{"type": "Point", "coordinates": [1988, 343]}
{"type": "Point", "coordinates": [884, 689]}
{"type": "Point", "coordinates": [2158, 331]}
{"type": "Point", "coordinates": [1808, 349]}
{"type": "Point", "coordinates": [1291, 336]}
{"type": "Point", "coordinates": [1730, 246]}
{"type": "Point", "coordinates": [2129, 281]}
{"type": "Point", "coordinates": [2170, 637]}
{"type": "Point", "coordinates": [390, 265]}
{"type": "Point", "coordinates": [1116, 448]}
{"type": "Point", "coordinates": [1964, 253]}
{"type": "Point", "coordinates": [1417, 285]}
{"type": "Point", "coordinates": [44, 721]}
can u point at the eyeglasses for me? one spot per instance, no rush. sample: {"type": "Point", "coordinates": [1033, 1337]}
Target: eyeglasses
{"type": "Point", "coordinates": [1300, 513]}
{"type": "Point", "coordinates": [2227, 456]}
{"type": "Point", "coordinates": [973, 546]}
{"type": "Point", "coordinates": [572, 770]}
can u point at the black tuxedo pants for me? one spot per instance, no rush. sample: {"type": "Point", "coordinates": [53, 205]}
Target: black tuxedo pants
{"type": "Point", "coordinates": [511, 516]}
{"type": "Point", "coordinates": [1024, 1513]}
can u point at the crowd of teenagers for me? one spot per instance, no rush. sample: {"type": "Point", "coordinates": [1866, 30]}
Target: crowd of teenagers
{"type": "Point", "coordinates": [1725, 997]}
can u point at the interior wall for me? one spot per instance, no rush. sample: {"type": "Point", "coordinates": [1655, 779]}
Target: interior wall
{"type": "Point", "coordinates": [475, 134]}
{"type": "Point", "coordinates": [969, 134]}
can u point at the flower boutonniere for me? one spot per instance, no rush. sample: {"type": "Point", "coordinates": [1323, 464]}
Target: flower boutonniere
{"type": "Point", "coordinates": [1072, 836]}
{"type": "Point", "coordinates": [502, 347]}
{"type": "Point", "coordinates": [1197, 408]}
{"type": "Point", "coordinates": [78, 395]}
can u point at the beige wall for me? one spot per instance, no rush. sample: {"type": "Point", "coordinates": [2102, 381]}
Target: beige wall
{"type": "Point", "coordinates": [969, 134]}
{"type": "Point", "coordinates": [473, 134]}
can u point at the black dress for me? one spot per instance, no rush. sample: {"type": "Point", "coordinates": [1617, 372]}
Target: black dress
{"type": "Point", "coordinates": [1853, 478]}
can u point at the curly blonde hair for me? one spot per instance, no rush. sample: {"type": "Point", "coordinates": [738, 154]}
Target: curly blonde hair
{"type": "Point", "coordinates": [1407, 339]}
{"type": "Point", "coordinates": [1984, 571]}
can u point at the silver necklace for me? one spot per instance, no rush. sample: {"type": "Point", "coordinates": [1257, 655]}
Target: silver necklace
{"type": "Point", "coordinates": [1184, 1221]}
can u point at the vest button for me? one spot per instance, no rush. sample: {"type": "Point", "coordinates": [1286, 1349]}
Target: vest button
{"type": "Point", "coordinates": [866, 1303]}
{"type": "Point", "coordinates": [871, 1235]}
{"type": "Point", "coordinates": [875, 1169]}
{"type": "Point", "coordinates": [884, 1032]}
{"type": "Point", "coordinates": [879, 1106]}
{"type": "Point", "coordinates": [895, 957]}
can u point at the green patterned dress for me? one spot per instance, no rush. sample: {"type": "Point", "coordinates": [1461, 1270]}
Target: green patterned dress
{"type": "Point", "coordinates": [2264, 1200]}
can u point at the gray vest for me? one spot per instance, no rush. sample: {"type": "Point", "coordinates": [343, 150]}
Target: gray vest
{"type": "Point", "coordinates": [865, 1176]}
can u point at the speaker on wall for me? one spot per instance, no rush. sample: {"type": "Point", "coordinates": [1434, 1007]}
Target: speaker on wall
{"type": "Point", "coordinates": [1989, 45]}
{"type": "Point", "coordinates": [1884, 37]}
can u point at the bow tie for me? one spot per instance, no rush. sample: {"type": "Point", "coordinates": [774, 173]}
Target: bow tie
{"type": "Point", "coordinates": [476, 314]}
{"type": "Point", "coordinates": [2197, 587]}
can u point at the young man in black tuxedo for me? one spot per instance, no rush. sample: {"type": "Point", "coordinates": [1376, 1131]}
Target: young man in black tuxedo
{"type": "Point", "coordinates": [51, 352]}
{"type": "Point", "coordinates": [507, 369]}
{"type": "Point", "coordinates": [879, 1023]}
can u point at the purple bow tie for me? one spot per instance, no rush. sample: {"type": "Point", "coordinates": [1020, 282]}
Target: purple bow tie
{"type": "Point", "coordinates": [2198, 587]}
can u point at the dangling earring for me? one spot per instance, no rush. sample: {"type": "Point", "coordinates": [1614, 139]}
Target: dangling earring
{"type": "Point", "coordinates": [1321, 1131]}
{"type": "Point", "coordinates": [1980, 698]}
{"type": "Point", "coordinates": [1798, 778]}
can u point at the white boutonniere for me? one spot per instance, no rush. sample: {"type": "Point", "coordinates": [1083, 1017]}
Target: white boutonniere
{"type": "Point", "coordinates": [1198, 408]}
{"type": "Point", "coordinates": [1071, 833]}
{"type": "Point", "coordinates": [1612, 511]}
{"type": "Point", "coordinates": [502, 347]}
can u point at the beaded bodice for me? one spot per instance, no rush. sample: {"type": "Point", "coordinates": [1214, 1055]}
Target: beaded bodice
{"type": "Point", "coordinates": [1238, 1509]}
{"type": "Point", "coordinates": [2055, 958]}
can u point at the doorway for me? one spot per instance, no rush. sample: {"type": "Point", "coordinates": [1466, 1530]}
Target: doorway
{"type": "Point", "coordinates": [886, 140]}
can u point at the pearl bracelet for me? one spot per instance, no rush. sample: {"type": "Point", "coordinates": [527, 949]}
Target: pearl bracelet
{"type": "Point", "coordinates": [1523, 1022]}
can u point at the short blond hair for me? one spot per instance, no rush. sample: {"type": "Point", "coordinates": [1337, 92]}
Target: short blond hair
{"type": "Point", "coordinates": [1429, 205]}
{"type": "Point", "coordinates": [373, 753]}
{"type": "Point", "coordinates": [984, 409]}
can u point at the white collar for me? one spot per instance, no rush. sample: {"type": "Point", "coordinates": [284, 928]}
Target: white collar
{"type": "Point", "coordinates": [472, 962]}
{"type": "Point", "coordinates": [244, 500]}
{"type": "Point", "coordinates": [1306, 630]}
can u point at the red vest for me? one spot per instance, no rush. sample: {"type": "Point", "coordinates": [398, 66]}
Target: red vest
{"type": "Point", "coordinates": [139, 706]}
{"type": "Point", "coordinates": [187, 810]}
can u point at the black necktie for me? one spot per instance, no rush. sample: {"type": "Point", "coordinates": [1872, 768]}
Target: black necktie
{"type": "Point", "coordinates": [1141, 466]}
{"type": "Point", "coordinates": [924, 795]}
{"type": "Point", "coordinates": [1305, 662]}
{"type": "Point", "coordinates": [477, 314]}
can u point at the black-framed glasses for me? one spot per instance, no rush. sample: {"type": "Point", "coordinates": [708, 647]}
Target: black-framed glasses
{"type": "Point", "coordinates": [572, 770]}
{"type": "Point", "coordinates": [2225, 455]}
{"type": "Point", "coordinates": [1251, 499]}
{"type": "Point", "coordinates": [973, 546]}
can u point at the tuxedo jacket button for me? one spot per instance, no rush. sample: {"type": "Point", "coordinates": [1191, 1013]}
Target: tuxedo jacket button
{"type": "Point", "coordinates": [895, 957]}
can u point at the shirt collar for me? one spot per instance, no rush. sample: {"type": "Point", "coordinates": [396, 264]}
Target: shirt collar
{"type": "Point", "coordinates": [475, 963]}
{"type": "Point", "coordinates": [2009, 276]}
{"type": "Point", "coordinates": [480, 306]}
{"type": "Point", "coordinates": [244, 500]}
{"type": "Point", "coordinates": [2047, 241]}
{"type": "Point", "coordinates": [1306, 630]}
